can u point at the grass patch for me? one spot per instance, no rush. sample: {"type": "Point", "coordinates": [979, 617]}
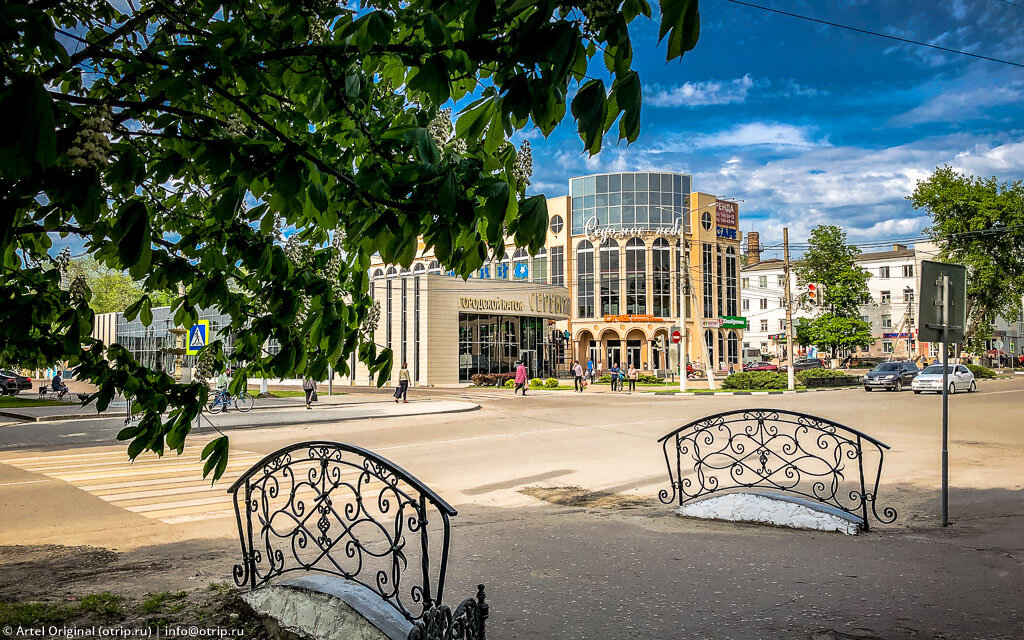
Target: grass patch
{"type": "Point", "coordinates": [30, 613]}
{"type": "Point", "coordinates": [13, 402]}
{"type": "Point", "coordinates": [104, 603]}
{"type": "Point", "coordinates": [164, 601]}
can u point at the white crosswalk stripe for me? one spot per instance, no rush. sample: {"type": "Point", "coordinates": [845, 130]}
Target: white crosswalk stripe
{"type": "Point", "coordinates": [170, 489]}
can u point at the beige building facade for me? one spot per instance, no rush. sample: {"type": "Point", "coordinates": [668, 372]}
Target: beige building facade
{"type": "Point", "coordinates": [614, 252]}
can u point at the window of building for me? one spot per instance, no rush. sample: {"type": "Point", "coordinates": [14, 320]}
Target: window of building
{"type": "Point", "coordinates": [520, 265]}
{"type": "Point", "coordinates": [782, 303]}
{"type": "Point", "coordinates": [866, 319]}
{"type": "Point", "coordinates": [661, 276]}
{"type": "Point", "coordinates": [419, 268]}
{"type": "Point", "coordinates": [557, 266]}
{"type": "Point", "coordinates": [556, 224]}
{"type": "Point", "coordinates": [609, 277]}
{"type": "Point", "coordinates": [908, 295]}
{"type": "Point", "coordinates": [434, 267]}
{"type": "Point", "coordinates": [378, 274]}
{"type": "Point", "coordinates": [731, 290]}
{"type": "Point", "coordinates": [746, 304]}
{"type": "Point", "coordinates": [782, 324]}
{"type": "Point", "coordinates": [540, 266]}
{"type": "Point", "coordinates": [780, 281]}
{"type": "Point", "coordinates": [705, 221]}
{"type": "Point", "coordinates": [762, 282]}
{"type": "Point", "coordinates": [734, 348]}
{"type": "Point", "coordinates": [908, 271]}
{"type": "Point", "coordinates": [709, 340]}
{"type": "Point", "coordinates": [883, 272]}
{"type": "Point", "coordinates": [887, 346]}
{"type": "Point", "coordinates": [636, 277]}
{"type": "Point", "coordinates": [764, 325]}
{"type": "Point", "coordinates": [585, 279]}
{"type": "Point", "coordinates": [504, 269]}
{"type": "Point", "coordinates": [886, 321]}
{"type": "Point", "coordinates": [392, 272]}
{"type": "Point", "coordinates": [745, 283]}
{"type": "Point", "coordinates": [886, 297]}
{"type": "Point", "coordinates": [720, 279]}
{"type": "Point", "coordinates": [763, 302]}
{"type": "Point", "coordinates": [708, 277]}
{"type": "Point", "coordinates": [387, 325]}
{"type": "Point", "coordinates": [404, 327]}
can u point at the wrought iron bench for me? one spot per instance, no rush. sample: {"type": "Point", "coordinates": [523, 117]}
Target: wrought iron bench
{"type": "Point", "coordinates": [341, 510]}
{"type": "Point", "coordinates": [777, 450]}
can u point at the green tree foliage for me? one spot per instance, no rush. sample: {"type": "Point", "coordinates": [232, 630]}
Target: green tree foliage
{"type": "Point", "coordinates": [177, 139]}
{"type": "Point", "coordinates": [111, 290]}
{"type": "Point", "coordinates": [842, 287]}
{"type": "Point", "coordinates": [979, 223]}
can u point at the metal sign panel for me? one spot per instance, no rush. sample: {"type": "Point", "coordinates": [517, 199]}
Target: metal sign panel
{"type": "Point", "coordinates": [931, 306]}
{"type": "Point", "coordinates": [198, 337]}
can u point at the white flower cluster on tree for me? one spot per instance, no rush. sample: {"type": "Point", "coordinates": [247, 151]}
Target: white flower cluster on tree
{"type": "Point", "coordinates": [524, 165]}
{"type": "Point", "coordinates": [235, 127]}
{"type": "Point", "coordinates": [91, 146]}
{"type": "Point", "coordinates": [369, 326]}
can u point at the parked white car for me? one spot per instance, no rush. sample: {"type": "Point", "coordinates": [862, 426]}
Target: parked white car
{"type": "Point", "coordinates": [960, 379]}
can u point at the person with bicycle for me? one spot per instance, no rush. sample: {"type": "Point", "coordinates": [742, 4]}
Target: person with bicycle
{"type": "Point", "coordinates": [222, 389]}
{"type": "Point", "coordinates": [57, 384]}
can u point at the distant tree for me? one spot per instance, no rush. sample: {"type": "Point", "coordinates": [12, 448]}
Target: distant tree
{"type": "Point", "coordinates": [111, 290]}
{"type": "Point", "coordinates": [841, 286]}
{"type": "Point", "coordinates": [979, 223]}
{"type": "Point", "coordinates": [171, 136]}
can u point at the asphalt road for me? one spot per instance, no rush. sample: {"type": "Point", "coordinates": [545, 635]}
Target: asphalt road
{"type": "Point", "coordinates": [626, 567]}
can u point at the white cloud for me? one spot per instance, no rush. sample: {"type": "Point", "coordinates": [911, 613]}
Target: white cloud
{"type": "Point", "coordinates": [758, 134]}
{"type": "Point", "coordinates": [963, 99]}
{"type": "Point", "coordinates": [698, 94]}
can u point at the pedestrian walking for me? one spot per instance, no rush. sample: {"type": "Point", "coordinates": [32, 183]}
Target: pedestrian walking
{"type": "Point", "coordinates": [521, 375]}
{"type": "Point", "coordinates": [614, 371]}
{"type": "Point", "coordinates": [590, 370]}
{"type": "Point", "coordinates": [633, 375]}
{"type": "Point", "coordinates": [403, 384]}
{"type": "Point", "coordinates": [309, 386]}
{"type": "Point", "coordinates": [597, 370]}
{"type": "Point", "coordinates": [577, 376]}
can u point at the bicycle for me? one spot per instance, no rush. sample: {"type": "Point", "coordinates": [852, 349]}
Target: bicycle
{"type": "Point", "coordinates": [222, 399]}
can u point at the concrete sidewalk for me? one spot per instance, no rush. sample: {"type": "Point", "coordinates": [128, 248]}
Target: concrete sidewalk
{"type": "Point", "coordinates": [73, 410]}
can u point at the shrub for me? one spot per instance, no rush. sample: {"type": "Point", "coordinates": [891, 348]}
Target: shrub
{"type": "Point", "coordinates": [803, 376]}
{"type": "Point", "coordinates": [755, 380]}
{"type": "Point", "coordinates": [491, 379]}
{"type": "Point", "coordinates": [536, 383]}
{"type": "Point", "coordinates": [606, 378]}
{"type": "Point", "coordinates": [980, 371]}
{"type": "Point", "coordinates": [510, 383]}
{"type": "Point", "coordinates": [649, 379]}
{"type": "Point", "coordinates": [551, 383]}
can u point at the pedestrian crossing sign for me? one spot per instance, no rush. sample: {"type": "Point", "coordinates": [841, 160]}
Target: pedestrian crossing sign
{"type": "Point", "coordinates": [198, 337]}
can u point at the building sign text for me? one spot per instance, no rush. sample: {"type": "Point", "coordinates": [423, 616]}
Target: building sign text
{"type": "Point", "coordinates": [593, 233]}
{"type": "Point", "coordinates": [490, 304]}
{"type": "Point", "coordinates": [726, 213]}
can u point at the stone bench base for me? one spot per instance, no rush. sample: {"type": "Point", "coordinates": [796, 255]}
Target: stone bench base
{"type": "Point", "coordinates": [771, 508]}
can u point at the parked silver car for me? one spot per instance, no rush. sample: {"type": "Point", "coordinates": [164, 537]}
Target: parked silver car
{"type": "Point", "coordinates": [960, 379]}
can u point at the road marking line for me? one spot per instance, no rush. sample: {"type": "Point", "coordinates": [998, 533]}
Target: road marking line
{"type": "Point", "coordinates": [147, 464]}
{"type": "Point", "coordinates": [155, 493]}
{"type": "Point", "coordinates": [166, 506]}
{"type": "Point", "coordinates": [116, 473]}
{"type": "Point", "coordinates": [212, 515]}
{"type": "Point", "coordinates": [8, 484]}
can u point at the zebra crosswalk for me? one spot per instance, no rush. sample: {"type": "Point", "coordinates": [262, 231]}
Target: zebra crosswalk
{"type": "Point", "coordinates": [170, 489]}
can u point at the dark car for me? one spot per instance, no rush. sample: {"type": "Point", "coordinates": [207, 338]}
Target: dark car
{"type": "Point", "coordinates": [805, 364]}
{"type": "Point", "coordinates": [12, 383]}
{"type": "Point", "coordinates": [891, 375]}
{"type": "Point", "coordinates": [760, 366]}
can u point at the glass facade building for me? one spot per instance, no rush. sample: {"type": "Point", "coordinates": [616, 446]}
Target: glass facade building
{"type": "Point", "coordinates": [629, 200]}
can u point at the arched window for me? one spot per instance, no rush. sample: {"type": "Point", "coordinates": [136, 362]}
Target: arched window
{"type": "Point", "coordinates": [731, 289]}
{"type": "Point", "coordinates": [636, 277]}
{"type": "Point", "coordinates": [720, 282]}
{"type": "Point", "coordinates": [609, 277]}
{"type": "Point", "coordinates": [433, 267]}
{"type": "Point", "coordinates": [734, 348]}
{"type": "Point", "coordinates": [392, 272]}
{"type": "Point", "coordinates": [585, 279]}
{"type": "Point", "coordinates": [378, 274]}
{"type": "Point", "coordinates": [419, 268]}
{"type": "Point", "coordinates": [661, 278]}
{"type": "Point", "coordinates": [709, 340]}
{"type": "Point", "coordinates": [540, 266]}
{"type": "Point", "coordinates": [520, 265]}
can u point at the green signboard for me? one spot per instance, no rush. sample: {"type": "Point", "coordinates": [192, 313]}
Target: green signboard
{"type": "Point", "coordinates": [734, 322]}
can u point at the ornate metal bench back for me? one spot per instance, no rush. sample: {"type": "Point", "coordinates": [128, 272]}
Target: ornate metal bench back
{"type": "Point", "coordinates": [339, 509]}
{"type": "Point", "coordinates": [779, 450]}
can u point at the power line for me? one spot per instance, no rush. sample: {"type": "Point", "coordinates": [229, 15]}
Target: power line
{"type": "Point", "coordinates": [1013, 4]}
{"type": "Point", "coordinates": [876, 33]}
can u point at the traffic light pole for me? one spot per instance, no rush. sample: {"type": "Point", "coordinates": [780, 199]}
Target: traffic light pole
{"type": "Point", "coordinates": [790, 377]}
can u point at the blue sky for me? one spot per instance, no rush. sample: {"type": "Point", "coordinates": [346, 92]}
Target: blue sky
{"type": "Point", "coordinates": [810, 124]}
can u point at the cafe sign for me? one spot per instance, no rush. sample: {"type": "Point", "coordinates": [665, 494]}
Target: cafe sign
{"type": "Point", "coordinates": [633, 318]}
{"type": "Point", "coordinates": [733, 322]}
{"type": "Point", "coordinates": [593, 233]}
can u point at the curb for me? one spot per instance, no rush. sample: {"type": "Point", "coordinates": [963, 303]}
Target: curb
{"type": "Point", "coordinates": [110, 414]}
{"type": "Point", "coordinates": [752, 393]}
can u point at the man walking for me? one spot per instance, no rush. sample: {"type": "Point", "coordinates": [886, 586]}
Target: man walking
{"type": "Point", "coordinates": [521, 376]}
{"type": "Point", "coordinates": [614, 371]}
{"type": "Point", "coordinates": [590, 370]}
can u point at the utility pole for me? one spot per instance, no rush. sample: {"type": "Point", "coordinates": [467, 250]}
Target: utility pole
{"type": "Point", "coordinates": [790, 378]}
{"type": "Point", "coordinates": [684, 277]}
{"type": "Point", "coordinates": [708, 367]}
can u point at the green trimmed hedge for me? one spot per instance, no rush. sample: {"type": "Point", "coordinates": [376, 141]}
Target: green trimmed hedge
{"type": "Point", "coordinates": [551, 383]}
{"type": "Point", "coordinates": [802, 376]}
{"type": "Point", "coordinates": [536, 383]}
{"type": "Point", "coordinates": [980, 371]}
{"type": "Point", "coordinates": [510, 383]}
{"type": "Point", "coordinates": [755, 381]}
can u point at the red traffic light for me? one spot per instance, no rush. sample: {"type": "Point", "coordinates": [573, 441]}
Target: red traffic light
{"type": "Point", "coordinates": [812, 294]}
